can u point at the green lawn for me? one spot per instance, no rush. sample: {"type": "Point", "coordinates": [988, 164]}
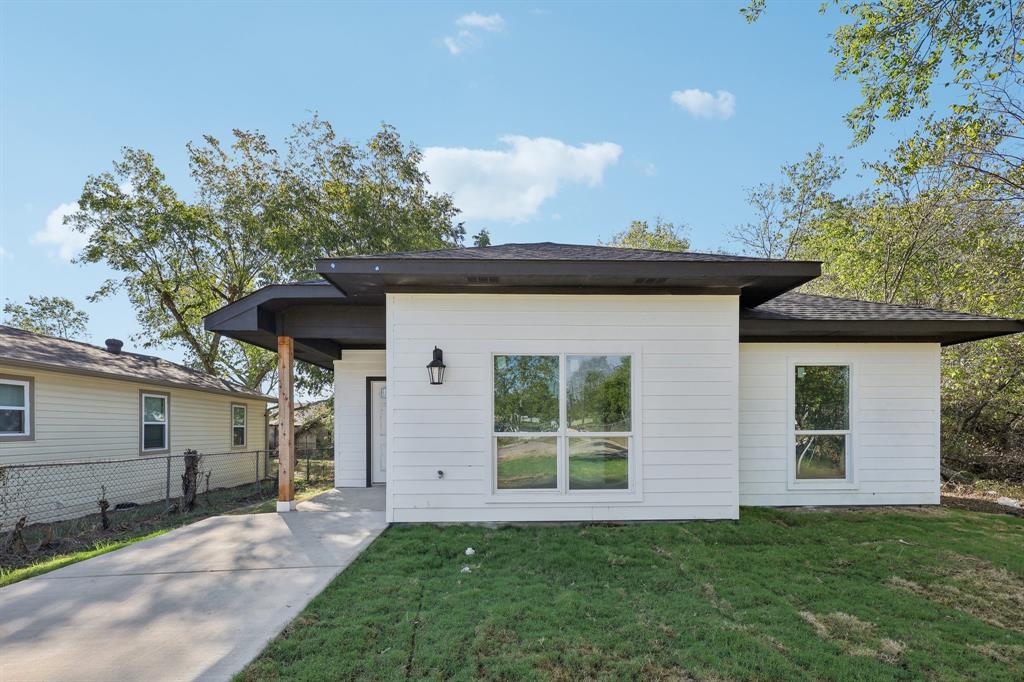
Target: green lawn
{"type": "Point", "coordinates": [803, 595]}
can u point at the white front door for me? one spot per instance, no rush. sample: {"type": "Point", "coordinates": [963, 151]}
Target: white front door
{"type": "Point", "coordinates": [378, 431]}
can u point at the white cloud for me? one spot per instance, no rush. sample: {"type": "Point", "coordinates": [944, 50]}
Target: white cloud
{"type": "Point", "coordinates": [511, 184]}
{"type": "Point", "coordinates": [3, 253]}
{"type": "Point", "coordinates": [69, 242]}
{"type": "Point", "coordinates": [703, 104]}
{"type": "Point", "coordinates": [488, 22]}
{"type": "Point", "coordinates": [469, 25]}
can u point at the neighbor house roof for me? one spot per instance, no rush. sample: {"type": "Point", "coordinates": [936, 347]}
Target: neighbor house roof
{"type": "Point", "coordinates": [800, 316]}
{"type": "Point", "coordinates": [22, 348]}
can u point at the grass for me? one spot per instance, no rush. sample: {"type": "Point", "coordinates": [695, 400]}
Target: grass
{"type": "Point", "coordinates": [52, 563]}
{"type": "Point", "coordinates": [69, 542]}
{"type": "Point", "coordinates": [883, 594]}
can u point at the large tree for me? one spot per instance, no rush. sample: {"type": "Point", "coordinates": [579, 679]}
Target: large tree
{"type": "Point", "coordinates": [256, 215]}
{"type": "Point", "coordinates": [662, 236]}
{"type": "Point", "coordinates": [51, 315]}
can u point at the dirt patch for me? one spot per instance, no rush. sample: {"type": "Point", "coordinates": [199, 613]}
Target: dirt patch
{"type": "Point", "coordinates": [978, 503]}
{"type": "Point", "coordinates": [989, 593]}
{"type": "Point", "coordinates": [855, 636]}
{"type": "Point", "coordinates": [1004, 653]}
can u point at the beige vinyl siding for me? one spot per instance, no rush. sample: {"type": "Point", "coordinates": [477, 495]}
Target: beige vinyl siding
{"type": "Point", "coordinates": [350, 373]}
{"type": "Point", "coordinates": [79, 417]}
{"type": "Point", "coordinates": [685, 412]}
{"type": "Point", "coordinates": [894, 423]}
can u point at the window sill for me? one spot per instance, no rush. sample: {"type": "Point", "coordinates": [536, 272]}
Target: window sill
{"type": "Point", "coordinates": [17, 438]}
{"type": "Point", "coordinates": [822, 485]}
{"type": "Point", "coordinates": [575, 498]}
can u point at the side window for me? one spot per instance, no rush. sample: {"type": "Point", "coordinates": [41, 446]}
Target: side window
{"type": "Point", "coordinates": [822, 422]}
{"type": "Point", "coordinates": [16, 408]}
{"type": "Point", "coordinates": [155, 426]}
{"type": "Point", "coordinates": [238, 423]}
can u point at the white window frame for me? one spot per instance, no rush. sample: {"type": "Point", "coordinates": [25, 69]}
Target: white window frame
{"type": "Point", "coordinates": [244, 426]}
{"type": "Point", "coordinates": [850, 482]}
{"type": "Point", "coordinates": [166, 423]}
{"type": "Point", "coordinates": [27, 432]}
{"type": "Point", "coordinates": [562, 494]}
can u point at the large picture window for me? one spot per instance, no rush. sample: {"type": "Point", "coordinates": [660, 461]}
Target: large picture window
{"type": "Point", "coordinates": [562, 422]}
{"type": "Point", "coordinates": [155, 427]}
{"type": "Point", "coordinates": [15, 408]}
{"type": "Point", "coordinates": [822, 422]}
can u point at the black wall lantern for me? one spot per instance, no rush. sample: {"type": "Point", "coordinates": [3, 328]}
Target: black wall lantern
{"type": "Point", "coordinates": [435, 368]}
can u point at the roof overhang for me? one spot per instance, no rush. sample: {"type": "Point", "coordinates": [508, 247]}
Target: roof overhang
{"type": "Point", "coordinates": [320, 319]}
{"type": "Point", "coordinates": [368, 279]}
{"type": "Point", "coordinates": [945, 332]}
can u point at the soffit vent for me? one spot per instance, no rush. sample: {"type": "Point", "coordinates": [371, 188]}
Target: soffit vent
{"type": "Point", "coordinates": [650, 280]}
{"type": "Point", "coordinates": [481, 279]}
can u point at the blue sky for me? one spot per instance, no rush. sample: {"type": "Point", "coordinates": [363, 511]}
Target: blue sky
{"type": "Point", "coordinates": [548, 121]}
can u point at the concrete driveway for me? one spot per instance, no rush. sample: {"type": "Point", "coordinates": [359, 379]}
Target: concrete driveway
{"type": "Point", "coordinates": [197, 603]}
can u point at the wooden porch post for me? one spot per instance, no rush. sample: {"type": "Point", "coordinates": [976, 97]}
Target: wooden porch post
{"type": "Point", "coordinates": [286, 424]}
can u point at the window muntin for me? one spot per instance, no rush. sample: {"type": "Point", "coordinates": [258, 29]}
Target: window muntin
{"type": "Point", "coordinates": [15, 416]}
{"type": "Point", "coordinates": [821, 422]}
{"type": "Point", "coordinates": [239, 414]}
{"type": "Point", "coordinates": [542, 401]}
{"type": "Point", "coordinates": [154, 422]}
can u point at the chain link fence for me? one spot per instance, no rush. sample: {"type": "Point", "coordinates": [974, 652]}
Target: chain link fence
{"type": "Point", "coordinates": [52, 503]}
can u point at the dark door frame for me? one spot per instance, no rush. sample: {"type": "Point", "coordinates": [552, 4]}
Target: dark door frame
{"type": "Point", "coordinates": [369, 429]}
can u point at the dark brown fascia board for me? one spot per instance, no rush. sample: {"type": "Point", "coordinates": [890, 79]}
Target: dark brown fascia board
{"type": "Point", "coordinates": [945, 332]}
{"type": "Point", "coordinates": [498, 267]}
{"type": "Point", "coordinates": [62, 369]}
{"type": "Point", "coordinates": [272, 292]}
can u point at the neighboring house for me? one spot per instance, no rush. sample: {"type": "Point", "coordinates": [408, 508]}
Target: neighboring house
{"type": "Point", "coordinates": [597, 383]}
{"type": "Point", "coordinates": [67, 400]}
{"type": "Point", "coordinates": [314, 424]}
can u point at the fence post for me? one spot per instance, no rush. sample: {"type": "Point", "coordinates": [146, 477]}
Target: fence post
{"type": "Point", "coordinates": [308, 478]}
{"type": "Point", "coordinates": [259, 488]}
{"type": "Point", "coordinates": [167, 486]}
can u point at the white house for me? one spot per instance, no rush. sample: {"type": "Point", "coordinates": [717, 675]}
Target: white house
{"type": "Point", "coordinates": [595, 383]}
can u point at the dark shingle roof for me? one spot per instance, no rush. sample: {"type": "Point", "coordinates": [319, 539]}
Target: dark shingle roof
{"type": "Point", "coordinates": [27, 349]}
{"type": "Point", "coordinates": [799, 306]}
{"type": "Point", "coordinates": [567, 252]}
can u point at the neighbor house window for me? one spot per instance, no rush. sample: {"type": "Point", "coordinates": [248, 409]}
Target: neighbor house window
{"type": "Point", "coordinates": [562, 422]}
{"type": "Point", "coordinates": [238, 418]}
{"type": "Point", "coordinates": [15, 408]}
{"type": "Point", "coordinates": [155, 429]}
{"type": "Point", "coordinates": [822, 422]}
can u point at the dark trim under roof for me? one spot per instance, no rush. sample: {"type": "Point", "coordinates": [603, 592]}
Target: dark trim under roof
{"type": "Point", "coordinates": [564, 268]}
{"type": "Point", "coordinates": [325, 320]}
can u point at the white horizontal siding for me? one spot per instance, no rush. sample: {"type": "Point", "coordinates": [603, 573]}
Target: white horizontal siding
{"type": "Point", "coordinates": [350, 373]}
{"type": "Point", "coordinates": [686, 435]}
{"type": "Point", "coordinates": [81, 418]}
{"type": "Point", "coordinates": [895, 428]}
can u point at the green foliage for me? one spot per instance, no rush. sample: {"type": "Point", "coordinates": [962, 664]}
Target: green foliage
{"type": "Point", "coordinates": [526, 393]}
{"type": "Point", "coordinates": [482, 238]}
{"type": "Point", "coordinates": [786, 210]}
{"type": "Point", "coordinates": [663, 236]}
{"type": "Point", "coordinates": [778, 595]}
{"type": "Point", "coordinates": [259, 216]}
{"type": "Point", "coordinates": [50, 315]}
{"type": "Point", "coordinates": [598, 393]}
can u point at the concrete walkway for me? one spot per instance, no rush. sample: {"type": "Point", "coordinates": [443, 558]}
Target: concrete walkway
{"type": "Point", "coordinates": [197, 603]}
